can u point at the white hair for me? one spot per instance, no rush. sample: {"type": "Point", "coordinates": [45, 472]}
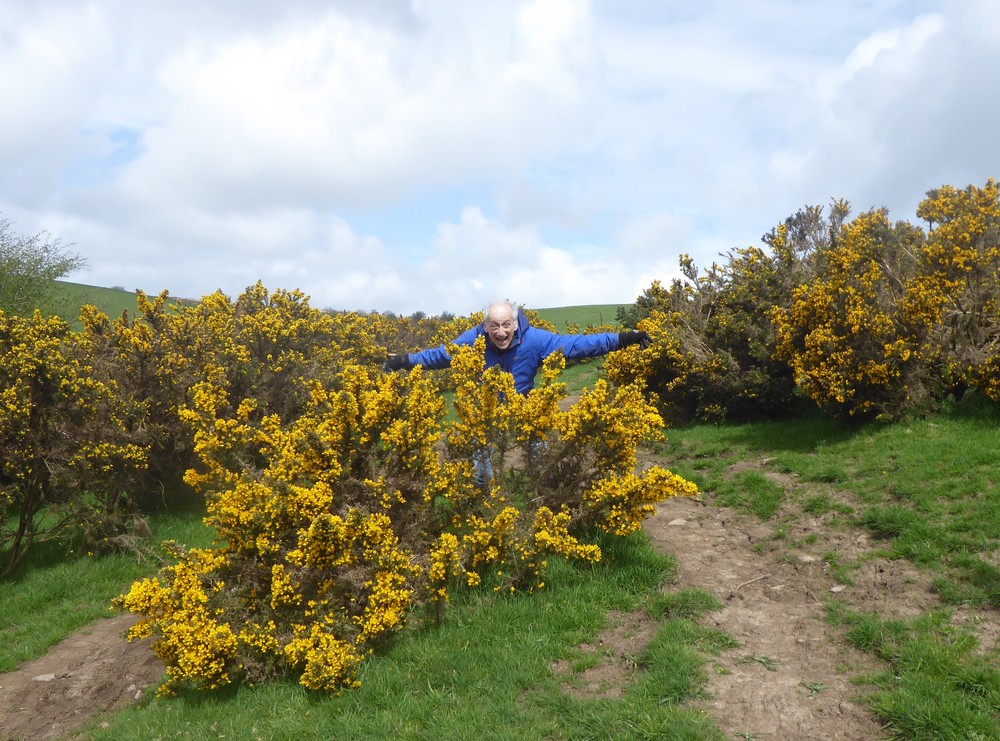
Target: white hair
{"type": "Point", "coordinates": [509, 305]}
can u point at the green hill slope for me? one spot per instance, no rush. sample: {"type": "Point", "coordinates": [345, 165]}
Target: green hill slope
{"type": "Point", "coordinates": [595, 314]}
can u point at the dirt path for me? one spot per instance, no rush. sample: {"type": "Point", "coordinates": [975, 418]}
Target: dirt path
{"type": "Point", "coordinates": [789, 679]}
{"type": "Point", "coordinates": [93, 670]}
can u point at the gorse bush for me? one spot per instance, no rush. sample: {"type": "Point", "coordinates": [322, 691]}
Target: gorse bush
{"type": "Point", "coordinates": [69, 461]}
{"type": "Point", "coordinates": [341, 518]}
{"type": "Point", "coordinates": [863, 317]}
{"type": "Point", "coordinates": [715, 338]}
{"type": "Point", "coordinates": [894, 319]}
{"type": "Point", "coordinates": [957, 290]}
{"type": "Point", "coordinates": [713, 352]}
{"type": "Point", "coordinates": [844, 334]}
{"type": "Point", "coordinates": [92, 425]}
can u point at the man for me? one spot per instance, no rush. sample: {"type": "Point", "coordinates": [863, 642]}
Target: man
{"type": "Point", "coordinates": [520, 349]}
{"type": "Point", "coordinates": [517, 347]}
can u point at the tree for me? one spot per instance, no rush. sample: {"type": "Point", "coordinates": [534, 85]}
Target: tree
{"type": "Point", "coordinates": [28, 265]}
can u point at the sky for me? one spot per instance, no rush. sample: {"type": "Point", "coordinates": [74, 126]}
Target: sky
{"type": "Point", "coordinates": [434, 155]}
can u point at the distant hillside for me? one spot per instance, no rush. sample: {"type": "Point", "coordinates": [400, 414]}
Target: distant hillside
{"type": "Point", "coordinates": [595, 314]}
{"type": "Point", "coordinates": [70, 297]}
{"type": "Point", "coordinates": [113, 301]}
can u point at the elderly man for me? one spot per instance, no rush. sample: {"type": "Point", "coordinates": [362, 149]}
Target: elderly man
{"type": "Point", "coordinates": [517, 347]}
{"type": "Point", "coordinates": [520, 349]}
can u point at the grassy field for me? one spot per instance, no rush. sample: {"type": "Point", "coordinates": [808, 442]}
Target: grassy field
{"type": "Point", "coordinates": [582, 316]}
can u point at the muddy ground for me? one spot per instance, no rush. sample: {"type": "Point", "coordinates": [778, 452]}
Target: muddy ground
{"type": "Point", "coordinates": [789, 679]}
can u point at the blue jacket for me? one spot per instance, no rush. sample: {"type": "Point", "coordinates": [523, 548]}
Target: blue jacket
{"type": "Point", "coordinates": [526, 352]}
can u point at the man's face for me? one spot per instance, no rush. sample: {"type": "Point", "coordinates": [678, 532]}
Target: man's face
{"type": "Point", "coordinates": [500, 326]}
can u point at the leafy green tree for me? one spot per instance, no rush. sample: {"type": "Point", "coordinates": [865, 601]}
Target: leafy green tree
{"type": "Point", "coordinates": [28, 265]}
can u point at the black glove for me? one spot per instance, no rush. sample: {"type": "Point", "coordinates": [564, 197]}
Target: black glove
{"type": "Point", "coordinates": [634, 338]}
{"type": "Point", "coordinates": [396, 362]}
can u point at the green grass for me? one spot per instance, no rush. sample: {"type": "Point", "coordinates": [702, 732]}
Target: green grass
{"type": "Point", "coordinates": [689, 604]}
{"type": "Point", "coordinates": [50, 601]}
{"type": "Point", "coordinates": [928, 488]}
{"type": "Point", "coordinates": [484, 672]}
{"type": "Point", "coordinates": [112, 301]}
{"type": "Point", "coordinates": [936, 685]}
{"type": "Point", "coordinates": [68, 298]}
{"type": "Point", "coordinates": [595, 314]}
{"type": "Point", "coordinates": [754, 492]}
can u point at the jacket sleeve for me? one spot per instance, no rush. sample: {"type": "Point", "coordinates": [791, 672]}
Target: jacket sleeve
{"type": "Point", "coordinates": [576, 346]}
{"type": "Point", "coordinates": [435, 358]}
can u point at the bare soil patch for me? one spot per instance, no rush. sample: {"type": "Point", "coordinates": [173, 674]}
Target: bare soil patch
{"type": "Point", "coordinates": [612, 659]}
{"type": "Point", "coordinates": [91, 671]}
{"type": "Point", "coordinates": [790, 676]}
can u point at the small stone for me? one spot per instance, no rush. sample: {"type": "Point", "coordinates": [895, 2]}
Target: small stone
{"type": "Point", "coordinates": [806, 558]}
{"type": "Point", "coordinates": [838, 588]}
{"type": "Point", "coordinates": [43, 678]}
{"type": "Point", "coordinates": [675, 523]}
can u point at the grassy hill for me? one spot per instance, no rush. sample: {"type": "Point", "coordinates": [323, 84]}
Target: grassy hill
{"type": "Point", "coordinates": [595, 314]}
{"type": "Point", "coordinates": [113, 301]}
{"type": "Point", "coordinates": [69, 297]}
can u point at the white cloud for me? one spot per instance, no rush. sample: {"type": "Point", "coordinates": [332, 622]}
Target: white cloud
{"type": "Point", "coordinates": [435, 154]}
{"type": "Point", "coordinates": [336, 109]}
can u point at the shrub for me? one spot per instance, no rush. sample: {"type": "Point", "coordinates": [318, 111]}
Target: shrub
{"type": "Point", "coordinates": [28, 268]}
{"type": "Point", "coordinates": [850, 346]}
{"type": "Point", "coordinates": [69, 463]}
{"type": "Point", "coordinates": [712, 355]}
{"type": "Point", "coordinates": [339, 519]}
{"type": "Point", "coordinates": [957, 291]}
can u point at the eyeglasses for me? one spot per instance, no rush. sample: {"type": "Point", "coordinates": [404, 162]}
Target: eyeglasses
{"type": "Point", "coordinates": [501, 325]}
